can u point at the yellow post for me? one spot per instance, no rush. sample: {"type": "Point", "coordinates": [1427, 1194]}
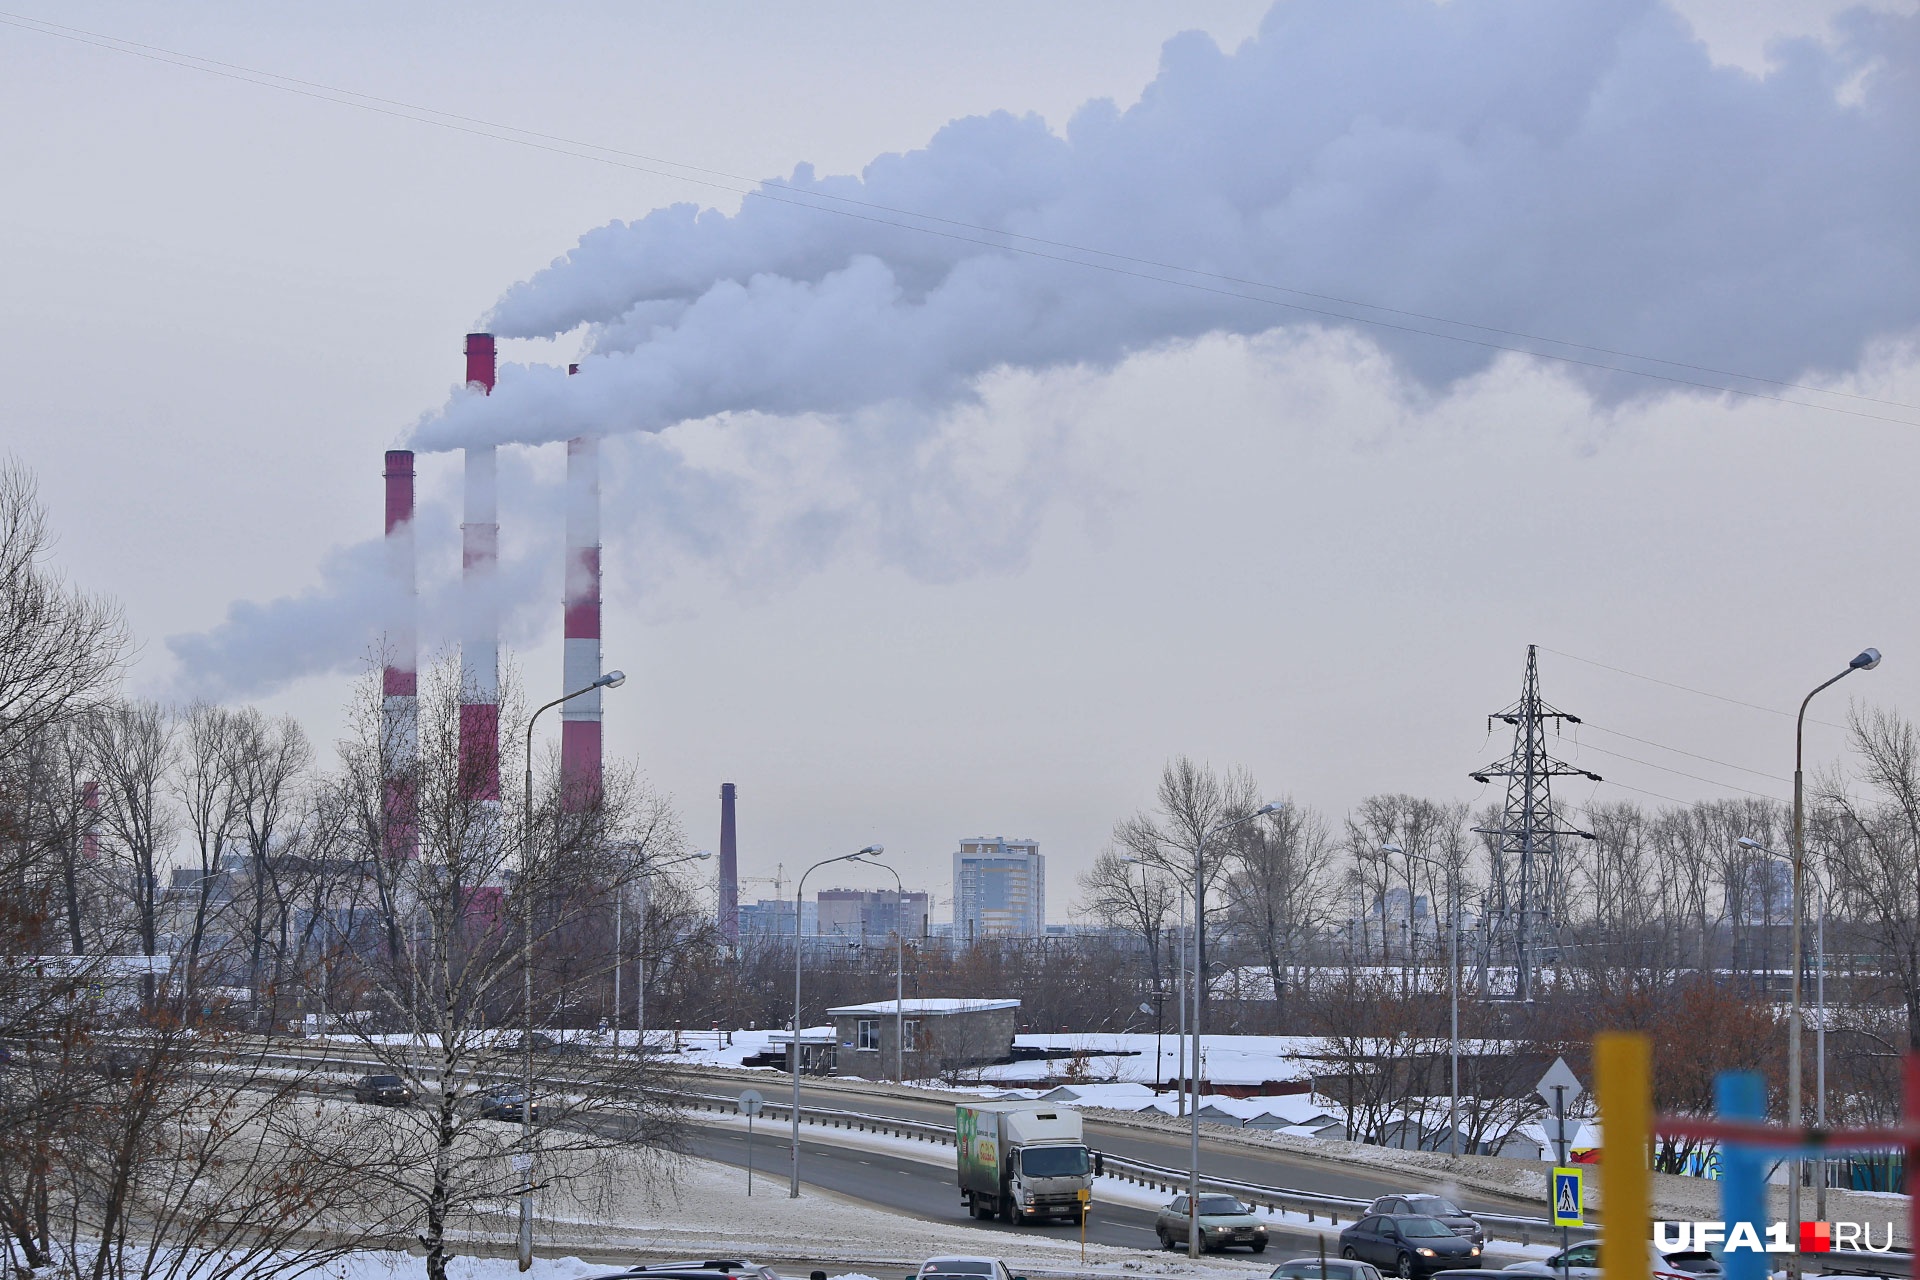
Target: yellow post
{"type": "Point", "coordinates": [1086, 1207]}
{"type": "Point", "coordinates": [1623, 1072]}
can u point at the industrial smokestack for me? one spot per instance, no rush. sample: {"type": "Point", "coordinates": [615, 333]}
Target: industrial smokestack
{"type": "Point", "coordinates": [729, 870]}
{"type": "Point", "coordinates": [480, 634]}
{"type": "Point", "coordinates": [400, 679]}
{"type": "Point", "coordinates": [580, 740]}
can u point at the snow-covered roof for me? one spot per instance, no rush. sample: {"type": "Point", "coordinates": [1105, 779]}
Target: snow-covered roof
{"type": "Point", "coordinates": [935, 1007]}
{"type": "Point", "coordinates": [808, 1035]}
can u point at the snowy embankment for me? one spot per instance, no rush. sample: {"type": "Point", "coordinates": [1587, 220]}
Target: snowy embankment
{"type": "Point", "coordinates": [701, 1210]}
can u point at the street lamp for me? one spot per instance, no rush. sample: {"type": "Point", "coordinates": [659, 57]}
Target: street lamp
{"type": "Point", "coordinates": [611, 680]}
{"type": "Point", "coordinates": [1453, 984]}
{"type": "Point", "coordinates": [793, 1045]}
{"type": "Point", "coordinates": [1865, 660]}
{"type": "Point", "coordinates": [899, 972]}
{"type": "Point", "coordinates": [1820, 1009]}
{"type": "Point", "coordinates": [1199, 917]}
{"type": "Point", "coordinates": [647, 867]}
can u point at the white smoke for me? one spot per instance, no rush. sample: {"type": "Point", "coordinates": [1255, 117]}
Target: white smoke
{"type": "Point", "coordinates": [1575, 170]}
{"type": "Point", "coordinates": [793, 379]}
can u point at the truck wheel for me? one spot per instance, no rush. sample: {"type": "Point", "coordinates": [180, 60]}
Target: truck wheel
{"type": "Point", "coordinates": [1008, 1213]}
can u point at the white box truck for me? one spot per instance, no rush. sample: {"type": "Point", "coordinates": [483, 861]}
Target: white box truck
{"type": "Point", "coordinates": [1022, 1160]}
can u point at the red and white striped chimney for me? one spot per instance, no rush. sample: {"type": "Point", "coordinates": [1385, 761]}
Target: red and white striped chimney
{"type": "Point", "coordinates": [580, 750]}
{"type": "Point", "coordinates": [480, 634]}
{"type": "Point", "coordinates": [400, 679]}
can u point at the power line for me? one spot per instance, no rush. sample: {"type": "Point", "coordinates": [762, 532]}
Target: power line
{"type": "Point", "coordinates": [721, 180]}
{"type": "Point", "coordinates": [1678, 773]}
{"type": "Point", "coordinates": [1717, 697]}
{"type": "Point", "coordinates": [1694, 755]}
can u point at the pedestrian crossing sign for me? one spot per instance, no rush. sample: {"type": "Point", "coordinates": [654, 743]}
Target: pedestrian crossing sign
{"type": "Point", "coordinates": [1569, 1197]}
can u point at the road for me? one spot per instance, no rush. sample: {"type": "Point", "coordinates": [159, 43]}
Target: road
{"type": "Point", "coordinates": [1221, 1159]}
{"type": "Point", "coordinates": [913, 1187]}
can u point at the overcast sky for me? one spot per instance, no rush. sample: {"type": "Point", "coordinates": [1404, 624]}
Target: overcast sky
{"type": "Point", "coordinates": [996, 598]}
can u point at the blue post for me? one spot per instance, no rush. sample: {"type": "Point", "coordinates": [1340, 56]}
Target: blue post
{"type": "Point", "coordinates": [1742, 1095]}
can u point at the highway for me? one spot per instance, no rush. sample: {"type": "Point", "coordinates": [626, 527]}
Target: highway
{"type": "Point", "coordinates": [1222, 1159]}
{"type": "Point", "coordinates": [922, 1190]}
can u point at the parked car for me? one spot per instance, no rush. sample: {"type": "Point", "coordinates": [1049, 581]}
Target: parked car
{"type": "Point", "coordinates": [1462, 1222]}
{"type": "Point", "coordinates": [505, 1104]}
{"type": "Point", "coordinates": [1224, 1222]}
{"type": "Point", "coordinates": [964, 1267]}
{"type": "Point", "coordinates": [1470, 1273]}
{"type": "Point", "coordinates": [1407, 1244]}
{"type": "Point", "coordinates": [382, 1090]}
{"type": "Point", "coordinates": [1331, 1269]}
{"type": "Point", "coordinates": [1582, 1262]}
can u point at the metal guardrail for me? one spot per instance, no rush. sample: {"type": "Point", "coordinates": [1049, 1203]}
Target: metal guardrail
{"type": "Point", "coordinates": [1166, 1178]}
{"type": "Point", "coordinates": [1524, 1230]}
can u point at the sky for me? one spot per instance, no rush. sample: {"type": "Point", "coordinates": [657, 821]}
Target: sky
{"type": "Point", "coordinates": [910, 562]}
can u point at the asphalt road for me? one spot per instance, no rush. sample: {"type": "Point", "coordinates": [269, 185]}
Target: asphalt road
{"type": "Point", "coordinates": [929, 1191]}
{"type": "Point", "coordinates": [1224, 1160]}
{"type": "Point", "coordinates": [913, 1187]}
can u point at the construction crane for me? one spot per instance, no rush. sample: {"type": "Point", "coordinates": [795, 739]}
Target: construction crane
{"type": "Point", "coordinates": [778, 879]}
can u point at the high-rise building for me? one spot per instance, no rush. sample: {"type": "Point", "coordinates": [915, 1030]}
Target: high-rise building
{"type": "Point", "coordinates": [860, 914]}
{"type": "Point", "coordinates": [999, 889]}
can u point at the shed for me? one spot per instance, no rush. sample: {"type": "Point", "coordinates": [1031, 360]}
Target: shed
{"type": "Point", "coordinates": [941, 1035]}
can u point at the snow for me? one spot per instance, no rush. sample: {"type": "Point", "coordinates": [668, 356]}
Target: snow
{"type": "Point", "coordinates": [926, 1006]}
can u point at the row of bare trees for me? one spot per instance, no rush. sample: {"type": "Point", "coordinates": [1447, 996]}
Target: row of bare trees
{"type": "Point", "coordinates": [183, 886]}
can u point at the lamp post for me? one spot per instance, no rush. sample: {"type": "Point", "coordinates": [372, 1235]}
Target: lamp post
{"type": "Point", "coordinates": [899, 973]}
{"type": "Point", "coordinates": [611, 680]}
{"type": "Point", "coordinates": [1453, 988]}
{"type": "Point", "coordinates": [1199, 915]}
{"type": "Point", "coordinates": [647, 867]}
{"type": "Point", "coordinates": [1865, 660]}
{"type": "Point", "coordinates": [1820, 1010]}
{"type": "Point", "coordinates": [793, 1045]}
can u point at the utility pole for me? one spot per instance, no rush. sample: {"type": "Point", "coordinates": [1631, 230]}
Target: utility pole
{"type": "Point", "coordinates": [1526, 849]}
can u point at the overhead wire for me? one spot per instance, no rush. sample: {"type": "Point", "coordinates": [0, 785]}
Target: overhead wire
{"type": "Point", "coordinates": [1718, 697]}
{"type": "Point", "coordinates": [721, 180]}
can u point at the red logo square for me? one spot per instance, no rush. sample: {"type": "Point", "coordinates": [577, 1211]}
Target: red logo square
{"type": "Point", "coordinates": [1816, 1237]}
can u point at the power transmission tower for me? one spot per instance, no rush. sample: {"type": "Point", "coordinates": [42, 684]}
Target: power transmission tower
{"type": "Point", "coordinates": [1526, 885]}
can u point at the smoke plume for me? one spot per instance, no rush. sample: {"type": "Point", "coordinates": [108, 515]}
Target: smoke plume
{"type": "Point", "coordinates": [1575, 170]}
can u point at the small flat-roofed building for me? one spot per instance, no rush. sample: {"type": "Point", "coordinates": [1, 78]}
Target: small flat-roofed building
{"type": "Point", "coordinates": [941, 1035]}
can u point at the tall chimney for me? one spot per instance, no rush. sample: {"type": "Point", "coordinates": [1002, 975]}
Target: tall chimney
{"type": "Point", "coordinates": [399, 679]}
{"type": "Point", "coordinates": [580, 664]}
{"type": "Point", "coordinates": [730, 870]}
{"type": "Point", "coordinates": [480, 634]}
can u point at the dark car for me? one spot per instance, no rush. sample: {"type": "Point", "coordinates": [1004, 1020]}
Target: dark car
{"type": "Point", "coordinates": [1463, 1223]}
{"type": "Point", "coordinates": [1407, 1244]}
{"type": "Point", "coordinates": [383, 1091]}
{"type": "Point", "coordinates": [546, 1044]}
{"type": "Point", "coordinates": [1473, 1273]}
{"type": "Point", "coordinates": [505, 1104]}
{"type": "Point", "coordinates": [1331, 1269]}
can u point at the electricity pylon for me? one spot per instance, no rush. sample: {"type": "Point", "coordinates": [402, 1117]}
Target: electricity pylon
{"type": "Point", "coordinates": [1526, 846]}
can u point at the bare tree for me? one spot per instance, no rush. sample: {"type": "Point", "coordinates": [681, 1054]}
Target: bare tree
{"type": "Point", "coordinates": [1278, 890]}
{"type": "Point", "coordinates": [130, 750]}
{"type": "Point", "coordinates": [203, 787]}
{"type": "Point", "coordinates": [59, 648]}
{"type": "Point", "coordinates": [1191, 802]}
{"type": "Point", "coordinates": [1878, 874]}
{"type": "Point", "coordinates": [495, 905]}
{"type": "Point", "coordinates": [1135, 897]}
